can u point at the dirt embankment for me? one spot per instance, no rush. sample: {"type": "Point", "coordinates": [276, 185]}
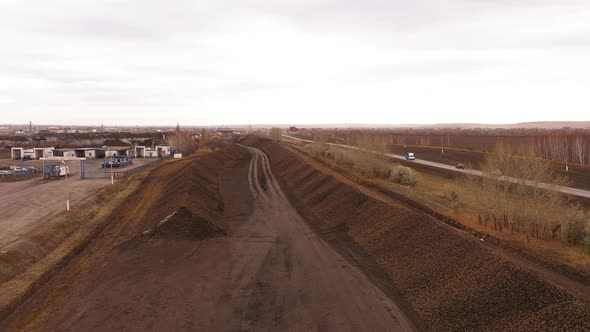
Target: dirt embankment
{"type": "Point", "coordinates": [450, 279]}
{"type": "Point", "coordinates": [187, 190]}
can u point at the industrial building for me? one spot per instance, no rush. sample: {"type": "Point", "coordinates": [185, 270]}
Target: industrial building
{"type": "Point", "coordinates": [89, 153]}
{"type": "Point", "coordinates": [34, 153]}
{"type": "Point", "coordinates": [159, 151]}
{"type": "Point", "coordinates": [64, 152]}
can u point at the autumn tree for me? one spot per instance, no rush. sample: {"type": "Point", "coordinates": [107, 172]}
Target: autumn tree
{"type": "Point", "coordinates": [181, 141]}
{"type": "Point", "coordinates": [518, 193]}
{"type": "Point", "coordinates": [276, 134]}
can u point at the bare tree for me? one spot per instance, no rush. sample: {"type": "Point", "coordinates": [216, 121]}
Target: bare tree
{"type": "Point", "coordinates": [526, 205]}
{"type": "Point", "coordinates": [181, 141]}
{"type": "Point", "coordinates": [579, 149]}
{"type": "Point", "coordinates": [276, 134]}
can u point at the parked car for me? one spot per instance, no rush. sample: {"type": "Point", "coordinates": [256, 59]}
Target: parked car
{"type": "Point", "coordinates": [32, 169]}
{"type": "Point", "coordinates": [409, 156]}
{"type": "Point", "coordinates": [460, 166]}
{"type": "Point", "coordinates": [18, 169]}
{"type": "Point", "coordinates": [5, 172]}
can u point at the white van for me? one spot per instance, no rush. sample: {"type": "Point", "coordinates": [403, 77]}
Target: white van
{"type": "Point", "coordinates": [63, 170]}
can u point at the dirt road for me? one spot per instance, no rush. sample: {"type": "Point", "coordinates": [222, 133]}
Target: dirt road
{"type": "Point", "coordinates": [272, 272]}
{"type": "Point", "coordinates": [302, 280]}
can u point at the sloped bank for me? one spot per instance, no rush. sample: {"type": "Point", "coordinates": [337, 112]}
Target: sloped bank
{"type": "Point", "coordinates": [40, 298]}
{"type": "Point", "coordinates": [450, 280]}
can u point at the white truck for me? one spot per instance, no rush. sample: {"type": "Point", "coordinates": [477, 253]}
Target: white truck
{"type": "Point", "coordinates": [63, 170]}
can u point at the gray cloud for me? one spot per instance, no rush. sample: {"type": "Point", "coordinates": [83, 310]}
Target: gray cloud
{"type": "Point", "coordinates": [141, 54]}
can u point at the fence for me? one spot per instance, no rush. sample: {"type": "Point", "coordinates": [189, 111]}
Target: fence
{"type": "Point", "coordinates": [119, 174]}
{"type": "Point", "coordinates": [13, 177]}
{"type": "Point", "coordinates": [94, 173]}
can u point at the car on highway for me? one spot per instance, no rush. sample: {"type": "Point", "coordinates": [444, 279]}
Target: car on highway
{"type": "Point", "coordinates": [409, 156]}
{"type": "Point", "coordinates": [460, 166]}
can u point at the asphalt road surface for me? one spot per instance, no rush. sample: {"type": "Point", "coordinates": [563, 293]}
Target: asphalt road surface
{"type": "Point", "coordinates": [565, 190]}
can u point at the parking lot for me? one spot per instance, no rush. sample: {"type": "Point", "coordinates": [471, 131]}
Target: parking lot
{"type": "Point", "coordinates": [29, 202]}
{"type": "Point", "coordinates": [25, 204]}
{"type": "Point", "coordinates": [15, 170]}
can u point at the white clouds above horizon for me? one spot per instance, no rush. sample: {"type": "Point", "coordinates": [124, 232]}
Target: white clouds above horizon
{"type": "Point", "coordinates": [223, 62]}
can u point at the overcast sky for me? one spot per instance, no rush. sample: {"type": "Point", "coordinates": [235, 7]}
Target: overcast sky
{"type": "Point", "coordinates": [297, 61]}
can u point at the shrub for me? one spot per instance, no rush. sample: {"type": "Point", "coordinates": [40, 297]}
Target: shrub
{"type": "Point", "coordinates": [403, 175]}
{"type": "Point", "coordinates": [453, 195]}
{"type": "Point", "coordinates": [574, 226]}
{"type": "Point", "coordinates": [369, 164]}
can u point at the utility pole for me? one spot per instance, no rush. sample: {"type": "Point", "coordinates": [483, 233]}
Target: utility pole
{"type": "Point", "coordinates": [67, 187]}
{"type": "Point", "coordinates": [31, 133]}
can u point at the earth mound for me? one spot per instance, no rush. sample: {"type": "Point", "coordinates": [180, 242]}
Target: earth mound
{"type": "Point", "coordinates": [184, 224]}
{"type": "Point", "coordinates": [452, 281]}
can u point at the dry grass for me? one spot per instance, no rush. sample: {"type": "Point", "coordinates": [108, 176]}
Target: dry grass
{"type": "Point", "coordinates": [205, 149]}
{"type": "Point", "coordinates": [368, 164]}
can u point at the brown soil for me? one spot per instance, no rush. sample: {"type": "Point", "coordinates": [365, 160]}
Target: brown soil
{"type": "Point", "coordinates": [452, 280]}
{"type": "Point", "coordinates": [270, 273]}
{"type": "Point", "coordinates": [16, 178]}
{"type": "Point", "coordinates": [184, 224]}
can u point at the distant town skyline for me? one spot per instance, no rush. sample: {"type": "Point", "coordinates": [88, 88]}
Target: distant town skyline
{"type": "Point", "coordinates": [293, 62]}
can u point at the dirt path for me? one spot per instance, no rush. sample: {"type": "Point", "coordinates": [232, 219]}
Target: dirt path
{"type": "Point", "coordinates": [300, 281]}
{"type": "Point", "coordinates": [271, 273]}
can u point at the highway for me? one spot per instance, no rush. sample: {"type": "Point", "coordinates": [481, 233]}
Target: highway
{"type": "Point", "coordinates": [565, 190]}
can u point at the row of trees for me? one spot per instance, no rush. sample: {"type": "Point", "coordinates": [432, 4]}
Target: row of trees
{"type": "Point", "coordinates": [527, 205]}
{"type": "Point", "coordinates": [567, 146]}
{"type": "Point", "coordinates": [561, 147]}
